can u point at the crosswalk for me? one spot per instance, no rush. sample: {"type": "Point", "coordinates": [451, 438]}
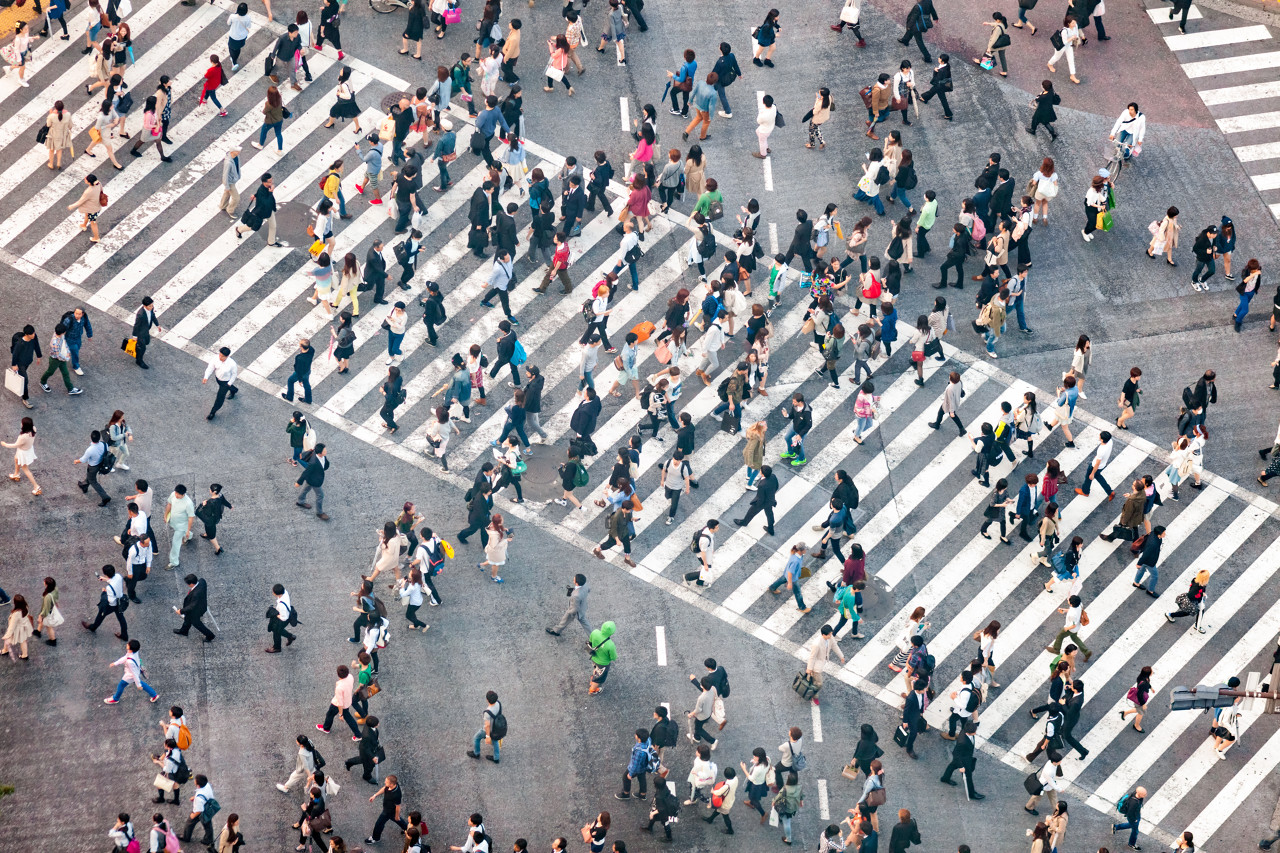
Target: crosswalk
{"type": "Point", "coordinates": [1237, 85]}
{"type": "Point", "coordinates": [163, 236]}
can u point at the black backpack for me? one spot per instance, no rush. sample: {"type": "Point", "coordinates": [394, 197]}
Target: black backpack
{"type": "Point", "coordinates": [497, 724]}
{"type": "Point", "coordinates": [293, 621]}
{"type": "Point", "coordinates": [316, 756]}
{"type": "Point", "coordinates": [183, 774]}
{"type": "Point", "coordinates": [723, 390]}
{"type": "Point", "coordinates": [646, 395]}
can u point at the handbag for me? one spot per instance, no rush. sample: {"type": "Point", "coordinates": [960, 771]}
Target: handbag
{"type": "Point", "coordinates": [1002, 41]}
{"type": "Point", "coordinates": [988, 62]}
{"type": "Point", "coordinates": [850, 772]}
{"type": "Point", "coordinates": [865, 94]}
{"type": "Point", "coordinates": [42, 134]}
{"type": "Point", "coordinates": [877, 797]}
{"type": "Point", "coordinates": [1104, 220]}
{"type": "Point", "coordinates": [14, 382]}
{"type": "Point", "coordinates": [452, 16]}
{"type": "Point", "coordinates": [849, 14]}
{"type": "Point", "coordinates": [130, 346]}
{"type": "Point", "coordinates": [163, 783]}
{"type": "Point", "coordinates": [95, 135]}
{"type": "Point", "coordinates": [662, 352]}
{"type": "Point", "coordinates": [553, 73]}
{"type": "Point", "coordinates": [316, 248]}
{"type": "Point", "coordinates": [55, 618]}
{"type": "Point", "coordinates": [586, 832]}
{"type": "Point", "coordinates": [1056, 40]}
{"type": "Point", "coordinates": [1032, 784]}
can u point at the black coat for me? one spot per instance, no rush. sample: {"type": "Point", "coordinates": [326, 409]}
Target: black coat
{"type": "Point", "coordinates": [584, 418]}
{"type": "Point", "coordinates": [479, 212]}
{"type": "Point", "coordinates": [912, 711]}
{"type": "Point", "coordinates": [23, 351]}
{"type": "Point", "coordinates": [962, 751]}
{"type": "Point", "coordinates": [941, 76]}
{"type": "Point", "coordinates": [1071, 711]}
{"type": "Point", "coordinates": [533, 394]}
{"type": "Point", "coordinates": [478, 509]}
{"type": "Point", "coordinates": [142, 323]}
{"type": "Point", "coordinates": [302, 361]}
{"type": "Point", "coordinates": [504, 233]}
{"type": "Point", "coordinates": [903, 836]}
{"type": "Point", "coordinates": [719, 680]}
{"type": "Point", "coordinates": [802, 238]}
{"type": "Point", "coordinates": [1002, 199]}
{"type": "Point", "coordinates": [766, 492]}
{"type": "Point", "coordinates": [375, 267]}
{"type": "Point", "coordinates": [507, 347]}
{"type": "Point", "coordinates": [196, 602]}
{"type": "Point", "coordinates": [1045, 102]}
{"type": "Point", "coordinates": [575, 205]}
{"type": "Point", "coordinates": [684, 440]}
{"type": "Point", "coordinates": [369, 742]}
{"type": "Point", "coordinates": [313, 473]}
{"type": "Point", "coordinates": [847, 493]}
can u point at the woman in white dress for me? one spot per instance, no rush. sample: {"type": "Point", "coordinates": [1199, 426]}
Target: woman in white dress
{"type": "Point", "coordinates": [24, 454]}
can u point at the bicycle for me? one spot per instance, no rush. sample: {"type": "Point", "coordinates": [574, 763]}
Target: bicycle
{"type": "Point", "coordinates": [387, 6]}
{"type": "Point", "coordinates": [1122, 152]}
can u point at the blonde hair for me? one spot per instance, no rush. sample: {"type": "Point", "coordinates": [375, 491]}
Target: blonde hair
{"type": "Point", "coordinates": [1202, 577]}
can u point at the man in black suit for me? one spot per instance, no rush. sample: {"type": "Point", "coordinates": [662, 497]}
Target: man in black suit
{"type": "Point", "coordinates": [962, 759]}
{"type": "Point", "coordinates": [919, 20]}
{"type": "Point", "coordinates": [478, 513]}
{"type": "Point", "coordinates": [504, 230]}
{"type": "Point", "coordinates": [375, 272]}
{"type": "Point", "coordinates": [913, 714]}
{"type": "Point", "coordinates": [719, 680]}
{"type": "Point", "coordinates": [574, 207]}
{"type": "Point", "coordinates": [194, 606]}
{"type": "Point", "coordinates": [371, 751]}
{"type": "Point", "coordinates": [1071, 716]}
{"type": "Point", "coordinates": [1001, 204]}
{"type": "Point", "coordinates": [143, 322]}
{"type": "Point", "coordinates": [764, 501]}
{"type": "Point", "coordinates": [940, 84]}
{"type": "Point", "coordinates": [479, 215]}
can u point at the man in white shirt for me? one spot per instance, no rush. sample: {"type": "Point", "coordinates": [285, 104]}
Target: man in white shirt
{"type": "Point", "coordinates": [137, 564]}
{"type": "Point", "coordinates": [629, 252]}
{"type": "Point", "coordinates": [200, 811]}
{"type": "Point", "coordinates": [1130, 127]}
{"type": "Point", "coordinates": [819, 655]}
{"type": "Point", "coordinates": [587, 363]}
{"type": "Point", "coordinates": [1100, 460]}
{"type": "Point", "coordinates": [109, 602]}
{"type": "Point", "coordinates": [706, 551]}
{"type": "Point", "coordinates": [1048, 778]}
{"type": "Point", "coordinates": [766, 119]}
{"type": "Point", "coordinates": [143, 499]}
{"type": "Point", "coordinates": [712, 343]}
{"type": "Point", "coordinates": [500, 277]}
{"type": "Point", "coordinates": [134, 527]}
{"type": "Point", "coordinates": [279, 623]}
{"type": "Point", "coordinates": [224, 370]}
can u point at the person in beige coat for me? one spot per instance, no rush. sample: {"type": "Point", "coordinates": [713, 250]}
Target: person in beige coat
{"type": "Point", "coordinates": [89, 204]}
{"type": "Point", "coordinates": [20, 628]}
{"type": "Point", "coordinates": [1164, 236]}
{"type": "Point", "coordinates": [695, 170]}
{"type": "Point", "coordinates": [59, 137]}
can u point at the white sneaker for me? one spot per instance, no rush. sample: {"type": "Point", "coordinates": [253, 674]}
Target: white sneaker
{"type": "Point", "coordinates": [750, 487]}
{"type": "Point", "coordinates": [724, 114]}
{"type": "Point", "coordinates": [23, 83]}
{"type": "Point", "coordinates": [391, 360]}
{"type": "Point", "coordinates": [79, 372]}
{"type": "Point", "coordinates": [235, 67]}
{"type": "Point", "coordinates": [122, 466]}
{"type": "Point", "coordinates": [281, 788]}
{"type": "Point", "coordinates": [560, 501]}
{"type": "Point", "coordinates": [1082, 396]}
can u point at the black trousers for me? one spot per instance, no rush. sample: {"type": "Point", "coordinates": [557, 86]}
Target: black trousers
{"type": "Point", "coordinates": [939, 91]}
{"type": "Point", "coordinates": [597, 192]}
{"type": "Point", "coordinates": [967, 770]}
{"type": "Point", "coordinates": [91, 481]}
{"type": "Point", "coordinates": [366, 762]}
{"type": "Point", "coordinates": [508, 71]}
{"type": "Point", "coordinates": [225, 390]}
{"type": "Point", "coordinates": [103, 610]}
{"type": "Point", "coordinates": [1069, 738]}
{"type": "Point", "coordinates": [279, 630]}
{"type": "Point", "coordinates": [191, 825]}
{"type": "Point", "coordinates": [382, 821]}
{"type": "Point", "coordinates": [919, 37]}
{"type": "Point", "coordinates": [755, 510]}
{"type": "Point", "coordinates": [641, 778]}
{"type": "Point", "coordinates": [139, 349]}
{"type": "Point", "coordinates": [189, 622]}
{"type": "Point", "coordinates": [503, 297]}
{"type": "Point", "coordinates": [473, 528]}
{"type": "Point", "coordinates": [955, 418]}
{"type": "Point", "coordinates": [666, 827]}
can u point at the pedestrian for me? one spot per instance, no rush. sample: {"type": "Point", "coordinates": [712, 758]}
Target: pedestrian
{"type": "Point", "coordinates": [1191, 602]}
{"type": "Point", "coordinates": [111, 600]}
{"type": "Point", "coordinates": [392, 800]}
{"type": "Point", "coordinates": [122, 832]}
{"type": "Point", "coordinates": [261, 209]}
{"type": "Point", "coordinates": [307, 762]}
{"type": "Point", "coordinates": [1224, 244]}
{"type": "Point", "coordinates": [343, 692]}
{"type": "Point", "coordinates": [603, 653]}
{"type": "Point", "coordinates": [1137, 698]}
{"type": "Point", "coordinates": [273, 120]}
{"type": "Point", "coordinates": [704, 98]}
{"type": "Point", "coordinates": [210, 512]}
{"type": "Point", "coordinates": [997, 42]}
{"type": "Point", "coordinates": [1064, 408]}
{"type": "Point", "coordinates": [1131, 807]}
{"type": "Point", "coordinates": [279, 617]}
{"type": "Point", "coordinates": [819, 654]}
{"type": "Point", "coordinates": [238, 23]}
{"type": "Point", "coordinates": [851, 15]}
{"type": "Point", "coordinates": [315, 462]}
{"type": "Point", "coordinates": [330, 23]}
{"type": "Point", "coordinates": [577, 593]}
{"type": "Point", "coordinates": [788, 802]}
{"type": "Point", "coordinates": [19, 630]}
{"type": "Point", "coordinates": [1164, 236]}
{"type": "Point", "coordinates": [1064, 42]}
{"type": "Point", "coordinates": [370, 753]}
{"type": "Point", "coordinates": [203, 808]}
{"type": "Point", "coordinates": [195, 604]}
{"type": "Point", "coordinates": [24, 454]}
{"type": "Point", "coordinates": [495, 550]}
{"type": "Point", "coordinates": [919, 21]}
{"type": "Point", "coordinates": [1251, 280]}
{"type": "Point", "coordinates": [1076, 618]}
{"type": "Point", "coordinates": [180, 515]}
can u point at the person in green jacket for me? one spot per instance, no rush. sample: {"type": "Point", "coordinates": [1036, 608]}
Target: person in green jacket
{"type": "Point", "coordinates": [297, 428]}
{"type": "Point", "coordinates": [603, 654]}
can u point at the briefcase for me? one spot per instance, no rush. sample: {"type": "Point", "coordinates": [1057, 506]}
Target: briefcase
{"type": "Point", "coordinates": [900, 735]}
{"type": "Point", "coordinates": [14, 382]}
{"type": "Point", "coordinates": [804, 686]}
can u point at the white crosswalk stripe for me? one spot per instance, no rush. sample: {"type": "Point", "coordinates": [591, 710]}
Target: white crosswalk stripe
{"type": "Point", "coordinates": [919, 506]}
{"type": "Point", "coordinates": [1220, 87]}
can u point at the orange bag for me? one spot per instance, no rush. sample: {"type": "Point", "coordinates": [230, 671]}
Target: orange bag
{"type": "Point", "coordinates": [643, 330]}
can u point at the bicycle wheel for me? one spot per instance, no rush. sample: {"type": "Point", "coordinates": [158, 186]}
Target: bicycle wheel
{"type": "Point", "coordinates": [384, 6]}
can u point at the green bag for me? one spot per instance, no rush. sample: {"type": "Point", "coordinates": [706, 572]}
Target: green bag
{"type": "Point", "coordinates": [1104, 220]}
{"type": "Point", "coordinates": [1111, 197]}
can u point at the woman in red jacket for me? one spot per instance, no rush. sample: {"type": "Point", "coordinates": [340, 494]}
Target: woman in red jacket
{"type": "Point", "coordinates": [214, 77]}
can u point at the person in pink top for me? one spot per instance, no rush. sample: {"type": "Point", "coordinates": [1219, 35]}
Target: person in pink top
{"type": "Point", "coordinates": [214, 77]}
{"type": "Point", "coordinates": [638, 202]}
{"type": "Point", "coordinates": [343, 689]}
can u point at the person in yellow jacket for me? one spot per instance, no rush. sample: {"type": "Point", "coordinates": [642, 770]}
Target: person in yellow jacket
{"type": "Point", "coordinates": [332, 187]}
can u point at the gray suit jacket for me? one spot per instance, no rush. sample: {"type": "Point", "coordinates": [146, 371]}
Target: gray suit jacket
{"type": "Point", "coordinates": [578, 600]}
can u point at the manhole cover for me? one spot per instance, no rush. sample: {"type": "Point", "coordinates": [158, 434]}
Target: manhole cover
{"type": "Point", "coordinates": [392, 99]}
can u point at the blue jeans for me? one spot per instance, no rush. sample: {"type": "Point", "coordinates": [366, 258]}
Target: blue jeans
{"type": "Point", "coordinates": [1242, 308]}
{"type": "Point", "coordinates": [342, 202]}
{"type": "Point", "coordinates": [1133, 830]}
{"type": "Point", "coordinates": [794, 442]}
{"type": "Point", "coordinates": [393, 343]}
{"type": "Point", "coordinates": [786, 825]}
{"type": "Point", "coordinates": [752, 473]}
{"type": "Point", "coordinates": [724, 99]}
{"type": "Point", "coordinates": [1022, 14]}
{"type": "Point", "coordinates": [671, 415]}
{"type": "Point", "coordinates": [1017, 309]}
{"type": "Point", "coordinates": [901, 195]}
{"type": "Point", "coordinates": [795, 589]}
{"type": "Point", "coordinates": [1209, 268]}
{"type": "Point", "coordinates": [75, 354]}
{"type": "Point", "coordinates": [1150, 585]}
{"type": "Point", "coordinates": [497, 756]}
{"type": "Point", "coordinates": [1096, 477]}
{"type": "Point", "coordinates": [873, 200]}
{"type": "Point", "coordinates": [635, 276]}
{"type": "Point", "coordinates": [267, 128]}
{"type": "Point", "coordinates": [297, 453]}
{"type": "Point", "coordinates": [587, 381]}
{"type": "Point", "coordinates": [150, 691]}
{"type": "Point", "coordinates": [519, 430]}
{"type": "Point", "coordinates": [305, 379]}
{"type": "Point", "coordinates": [212, 95]}
{"type": "Point", "coordinates": [724, 407]}
{"type": "Point", "coordinates": [991, 338]}
{"type": "Point", "coordinates": [445, 180]}
{"type": "Point", "coordinates": [864, 425]}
